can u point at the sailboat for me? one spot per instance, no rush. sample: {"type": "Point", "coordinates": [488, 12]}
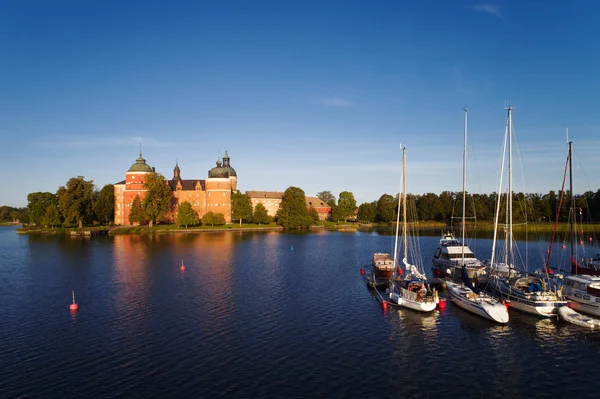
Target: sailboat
{"type": "Point", "coordinates": [409, 289]}
{"type": "Point", "coordinates": [466, 296]}
{"type": "Point", "coordinates": [582, 288]}
{"type": "Point", "coordinates": [526, 292]}
{"type": "Point", "coordinates": [452, 254]}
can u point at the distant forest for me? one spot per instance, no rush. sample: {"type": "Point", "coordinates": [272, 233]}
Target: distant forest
{"type": "Point", "coordinates": [482, 207]}
{"type": "Point", "coordinates": [448, 205]}
{"type": "Point", "coordinates": [8, 214]}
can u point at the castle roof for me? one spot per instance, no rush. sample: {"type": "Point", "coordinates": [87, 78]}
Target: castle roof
{"type": "Point", "coordinates": [189, 184]}
{"type": "Point", "coordinates": [140, 165]}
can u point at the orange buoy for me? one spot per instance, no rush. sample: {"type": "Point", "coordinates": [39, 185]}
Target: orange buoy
{"type": "Point", "coordinates": [74, 307]}
{"type": "Point", "coordinates": [362, 271]}
{"type": "Point", "coordinates": [442, 304]}
{"type": "Point", "coordinates": [182, 267]}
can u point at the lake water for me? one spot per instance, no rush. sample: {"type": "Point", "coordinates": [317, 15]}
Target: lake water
{"type": "Point", "coordinates": [250, 317]}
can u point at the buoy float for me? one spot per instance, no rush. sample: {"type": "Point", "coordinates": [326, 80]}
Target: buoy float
{"type": "Point", "coordinates": [384, 304]}
{"type": "Point", "coordinates": [564, 247]}
{"type": "Point", "coordinates": [74, 307]}
{"type": "Point", "coordinates": [442, 304]}
{"type": "Point", "coordinates": [182, 267]}
{"type": "Point", "coordinates": [362, 271]}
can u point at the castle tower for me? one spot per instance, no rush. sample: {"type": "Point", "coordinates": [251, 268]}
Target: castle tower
{"type": "Point", "coordinates": [132, 186]}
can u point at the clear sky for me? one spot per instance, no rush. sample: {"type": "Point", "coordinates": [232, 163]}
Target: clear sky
{"type": "Point", "coordinates": [313, 94]}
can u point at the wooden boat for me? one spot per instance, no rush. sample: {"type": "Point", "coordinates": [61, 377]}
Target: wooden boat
{"type": "Point", "coordinates": [383, 265]}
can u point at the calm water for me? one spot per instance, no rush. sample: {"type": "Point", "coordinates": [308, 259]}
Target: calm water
{"type": "Point", "coordinates": [249, 317]}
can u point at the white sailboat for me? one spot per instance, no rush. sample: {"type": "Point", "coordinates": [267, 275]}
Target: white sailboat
{"type": "Point", "coordinates": [410, 288]}
{"type": "Point", "coordinates": [526, 292]}
{"type": "Point", "coordinates": [465, 295]}
{"type": "Point", "coordinates": [452, 254]}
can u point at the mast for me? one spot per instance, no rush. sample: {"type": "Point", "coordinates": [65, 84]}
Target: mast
{"type": "Point", "coordinates": [572, 213]}
{"type": "Point", "coordinates": [510, 210]}
{"type": "Point", "coordinates": [497, 215]}
{"type": "Point", "coordinates": [464, 185]}
{"type": "Point", "coordinates": [398, 220]}
{"type": "Point", "coordinates": [404, 229]}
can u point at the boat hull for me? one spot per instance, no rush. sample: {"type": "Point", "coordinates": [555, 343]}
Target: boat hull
{"type": "Point", "coordinates": [404, 298]}
{"type": "Point", "coordinates": [541, 304]}
{"type": "Point", "coordinates": [573, 317]}
{"type": "Point", "coordinates": [480, 305]}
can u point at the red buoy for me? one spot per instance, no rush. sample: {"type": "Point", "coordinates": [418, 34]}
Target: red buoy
{"type": "Point", "coordinates": [384, 304]}
{"type": "Point", "coordinates": [182, 268]}
{"type": "Point", "coordinates": [442, 304]}
{"type": "Point", "coordinates": [74, 307]}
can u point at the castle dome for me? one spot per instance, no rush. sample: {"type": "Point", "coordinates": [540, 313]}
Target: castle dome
{"type": "Point", "coordinates": [218, 171]}
{"type": "Point", "coordinates": [223, 170]}
{"type": "Point", "coordinates": [140, 165]}
{"type": "Point", "coordinates": [227, 166]}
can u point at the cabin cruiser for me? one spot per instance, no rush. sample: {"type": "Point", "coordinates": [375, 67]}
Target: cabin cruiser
{"type": "Point", "coordinates": [583, 293]}
{"type": "Point", "coordinates": [451, 255]}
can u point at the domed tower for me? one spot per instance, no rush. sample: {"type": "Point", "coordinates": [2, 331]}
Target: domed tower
{"type": "Point", "coordinates": [218, 190]}
{"type": "Point", "coordinates": [232, 174]}
{"type": "Point", "coordinates": [136, 175]}
{"type": "Point", "coordinates": [128, 189]}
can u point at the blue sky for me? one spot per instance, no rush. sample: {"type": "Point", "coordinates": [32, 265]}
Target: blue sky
{"type": "Point", "coordinates": [312, 94]}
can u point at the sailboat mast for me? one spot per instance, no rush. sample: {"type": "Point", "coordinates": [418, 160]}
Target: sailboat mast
{"type": "Point", "coordinates": [398, 220]}
{"type": "Point", "coordinates": [404, 229]}
{"type": "Point", "coordinates": [572, 202]}
{"type": "Point", "coordinates": [464, 190]}
{"type": "Point", "coordinates": [510, 207]}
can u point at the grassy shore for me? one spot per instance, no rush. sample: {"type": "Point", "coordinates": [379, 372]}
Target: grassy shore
{"type": "Point", "coordinates": [483, 227]}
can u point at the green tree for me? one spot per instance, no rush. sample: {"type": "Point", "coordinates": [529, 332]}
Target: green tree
{"type": "Point", "coordinates": [76, 200]}
{"type": "Point", "coordinates": [386, 209]}
{"type": "Point", "coordinates": [214, 219]}
{"type": "Point", "coordinates": [261, 215]}
{"type": "Point", "coordinates": [346, 205]}
{"type": "Point", "coordinates": [136, 213]}
{"type": "Point", "coordinates": [157, 201]}
{"type": "Point", "coordinates": [104, 208]}
{"type": "Point", "coordinates": [52, 216]}
{"type": "Point", "coordinates": [38, 203]}
{"type": "Point", "coordinates": [292, 212]}
{"type": "Point", "coordinates": [186, 215]}
{"type": "Point", "coordinates": [327, 198]}
{"type": "Point", "coordinates": [314, 215]}
{"type": "Point", "coordinates": [241, 207]}
{"type": "Point", "coordinates": [367, 212]}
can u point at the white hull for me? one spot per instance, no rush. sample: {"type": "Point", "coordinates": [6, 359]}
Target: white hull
{"type": "Point", "coordinates": [581, 305]}
{"type": "Point", "coordinates": [575, 289]}
{"type": "Point", "coordinates": [542, 304]}
{"type": "Point", "coordinates": [573, 317]}
{"type": "Point", "coordinates": [482, 305]}
{"type": "Point", "coordinates": [404, 301]}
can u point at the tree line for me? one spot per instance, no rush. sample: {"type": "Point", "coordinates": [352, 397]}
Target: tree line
{"type": "Point", "coordinates": [79, 202]}
{"type": "Point", "coordinates": [482, 207]}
